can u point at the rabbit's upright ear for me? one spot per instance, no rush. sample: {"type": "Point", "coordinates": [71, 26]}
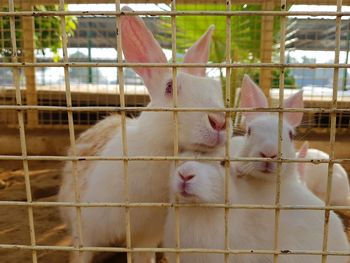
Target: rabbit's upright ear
{"type": "Point", "coordinates": [139, 45]}
{"type": "Point", "coordinates": [303, 150]}
{"type": "Point", "coordinates": [294, 101]}
{"type": "Point", "coordinates": [302, 154]}
{"type": "Point", "coordinates": [199, 53]}
{"type": "Point", "coordinates": [252, 97]}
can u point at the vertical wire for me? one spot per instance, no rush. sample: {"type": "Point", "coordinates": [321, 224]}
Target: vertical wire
{"type": "Point", "coordinates": [332, 132]}
{"type": "Point", "coordinates": [124, 138]}
{"type": "Point", "coordinates": [280, 129]}
{"type": "Point", "coordinates": [16, 76]}
{"type": "Point", "coordinates": [228, 135]}
{"type": "Point", "coordinates": [71, 129]}
{"type": "Point", "coordinates": [176, 121]}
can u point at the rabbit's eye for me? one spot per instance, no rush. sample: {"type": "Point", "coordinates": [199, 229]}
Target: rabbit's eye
{"type": "Point", "coordinates": [249, 131]}
{"type": "Point", "coordinates": [169, 88]}
{"type": "Point", "coordinates": [291, 135]}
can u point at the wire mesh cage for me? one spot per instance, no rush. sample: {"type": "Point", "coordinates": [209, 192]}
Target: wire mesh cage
{"type": "Point", "coordinates": [63, 68]}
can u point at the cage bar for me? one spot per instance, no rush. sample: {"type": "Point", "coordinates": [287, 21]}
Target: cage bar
{"type": "Point", "coordinates": [76, 183]}
{"type": "Point", "coordinates": [124, 134]}
{"type": "Point", "coordinates": [280, 129]}
{"type": "Point", "coordinates": [332, 134]}
{"type": "Point", "coordinates": [20, 116]}
{"type": "Point", "coordinates": [228, 135]}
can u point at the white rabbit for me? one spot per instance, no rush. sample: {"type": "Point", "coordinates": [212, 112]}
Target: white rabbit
{"type": "Point", "coordinates": [236, 145]}
{"type": "Point", "coordinates": [315, 176]}
{"type": "Point", "coordinates": [200, 227]}
{"type": "Point", "coordinates": [255, 183]}
{"type": "Point", "coordinates": [152, 134]}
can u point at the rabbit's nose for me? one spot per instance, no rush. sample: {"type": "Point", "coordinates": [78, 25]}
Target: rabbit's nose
{"type": "Point", "coordinates": [217, 121]}
{"type": "Point", "coordinates": [268, 155]}
{"type": "Point", "coordinates": [186, 178]}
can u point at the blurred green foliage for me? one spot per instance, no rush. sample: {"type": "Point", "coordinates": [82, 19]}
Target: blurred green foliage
{"type": "Point", "coordinates": [47, 32]}
{"type": "Point", "coordinates": [245, 37]}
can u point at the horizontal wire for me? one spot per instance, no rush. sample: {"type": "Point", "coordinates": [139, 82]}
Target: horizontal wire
{"type": "Point", "coordinates": [175, 65]}
{"type": "Point", "coordinates": [175, 250]}
{"type": "Point", "coordinates": [168, 205]}
{"type": "Point", "coordinates": [175, 13]}
{"type": "Point", "coordinates": [164, 158]}
{"type": "Point", "coordinates": [167, 109]}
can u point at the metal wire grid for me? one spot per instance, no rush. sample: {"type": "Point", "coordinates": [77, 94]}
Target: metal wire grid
{"type": "Point", "coordinates": [22, 133]}
{"type": "Point", "coordinates": [280, 128]}
{"type": "Point", "coordinates": [332, 134]}
{"type": "Point", "coordinates": [124, 134]}
{"type": "Point", "coordinates": [52, 93]}
{"type": "Point", "coordinates": [176, 123]}
{"type": "Point", "coordinates": [228, 65]}
{"type": "Point", "coordinates": [51, 118]}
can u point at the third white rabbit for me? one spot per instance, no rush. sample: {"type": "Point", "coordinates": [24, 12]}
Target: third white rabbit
{"type": "Point", "coordinates": [255, 183]}
{"type": "Point", "coordinates": [315, 176]}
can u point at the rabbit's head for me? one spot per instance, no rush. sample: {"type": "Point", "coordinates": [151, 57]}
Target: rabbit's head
{"type": "Point", "coordinates": [194, 181]}
{"type": "Point", "coordinates": [262, 133]}
{"type": "Point", "coordinates": [197, 130]}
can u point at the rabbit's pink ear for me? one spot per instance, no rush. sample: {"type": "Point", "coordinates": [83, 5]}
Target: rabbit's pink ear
{"type": "Point", "coordinates": [302, 154]}
{"type": "Point", "coordinates": [139, 45]}
{"type": "Point", "coordinates": [303, 150]}
{"type": "Point", "coordinates": [252, 97]}
{"type": "Point", "coordinates": [294, 101]}
{"type": "Point", "coordinates": [199, 53]}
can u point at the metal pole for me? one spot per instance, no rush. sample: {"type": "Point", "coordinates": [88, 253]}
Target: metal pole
{"type": "Point", "coordinates": [345, 72]}
{"type": "Point", "coordinates": [89, 54]}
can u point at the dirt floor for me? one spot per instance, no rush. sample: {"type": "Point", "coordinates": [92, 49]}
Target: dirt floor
{"type": "Point", "coordinates": [49, 230]}
{"type": "Point", "coordinates": [14, 227]}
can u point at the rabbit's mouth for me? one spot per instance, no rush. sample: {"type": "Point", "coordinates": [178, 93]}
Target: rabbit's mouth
{"type": "Point", "coordinates": [267, 170]}
{"type": "Point", "coordinates": [186, 194]}
{"type": "Point", "coordinates": [259, 171]}
{"type": "Point", "coordinates": [186, 197]}
{"type": "Point", "coordinates": [267, 167]}
{"type": "Point", "coordinates": [212, 144]}
{"type": "Point", "coordinates": [204, 146]}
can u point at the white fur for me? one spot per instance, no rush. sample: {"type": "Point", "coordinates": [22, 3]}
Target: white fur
{"type": "Point", "coordinates": [248, 229]}
{"type": "Point", "coordinates": [298, 229]}
{"type": "Point", "coordinates": [152, 134]}
{"type": "Point", "coordinates": [253, 229]}
{"type": "Point", "coordinates": [236, 145]}
{"type": "Point", "coordinates": [315, 177]}
{"type": "Point", "coordinates": [200, 227]}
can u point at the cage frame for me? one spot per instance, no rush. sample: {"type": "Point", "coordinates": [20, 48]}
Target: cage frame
{"type": "Point", "coordinates": [228, 65]}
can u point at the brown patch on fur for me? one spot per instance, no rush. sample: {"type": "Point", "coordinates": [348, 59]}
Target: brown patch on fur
{"type": "Point", "coordinates": [90, 143]}
{"type": "Point", "coordinates": [94, 139]}
{"type": "Point", "coordinates": [97, 136]}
